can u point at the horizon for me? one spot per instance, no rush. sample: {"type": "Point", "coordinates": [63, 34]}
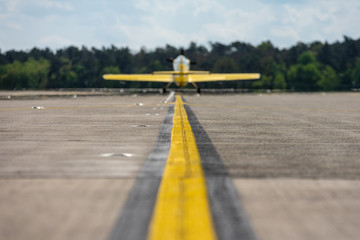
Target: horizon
{"type": "Point", "coordinates": [207, 46]}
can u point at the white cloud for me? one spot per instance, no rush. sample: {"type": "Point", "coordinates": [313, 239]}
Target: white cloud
{"type": "Point", "coordinates": [160, 6]}
{"type": "Point", "coordinates": [54, 4]}
{"type": "Point", "coordinates": [285, 32]}
{"type": "Point", "coordinates": [202, 21]}
{"type": "Point", "coordinates": [54, 40]}
{"type": "Point", "coordinates": [13, 5]}
{"type": "Point", "coordinates": [320, 20]}
{"type": "Point", "coordinates": [284, 23]}
{"type": "Point", "coordinates": [153, 23]}
{"type": "Point", "coordinates": [10, 24]}
{"type": "Point", "coordinates": [142, 35]}
{"type": "Point", "coordinates": [20, 6]}
{"type": "Point", "coordinates": [206, 6]}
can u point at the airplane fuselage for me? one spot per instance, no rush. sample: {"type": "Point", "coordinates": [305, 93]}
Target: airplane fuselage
{"type": "Point", "coordinates": [181, 66]}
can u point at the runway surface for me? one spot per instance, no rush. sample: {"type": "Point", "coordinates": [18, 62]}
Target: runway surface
{"type": "Point", "coordinates": [289, 163]}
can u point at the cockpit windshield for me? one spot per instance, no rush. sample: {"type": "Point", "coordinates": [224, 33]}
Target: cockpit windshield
{"type": "Point", "coordinates": [181, 63]}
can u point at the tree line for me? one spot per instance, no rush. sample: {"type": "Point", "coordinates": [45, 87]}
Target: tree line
{"type": "Point", "coordinates": [316, 66]}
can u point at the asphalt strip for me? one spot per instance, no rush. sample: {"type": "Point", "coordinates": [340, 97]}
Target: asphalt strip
{"type": "Point", "coordinates": [229, 218]}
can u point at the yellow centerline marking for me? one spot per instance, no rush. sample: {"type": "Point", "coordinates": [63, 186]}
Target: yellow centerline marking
{"type": "Point", "coordinates": [182, 210]}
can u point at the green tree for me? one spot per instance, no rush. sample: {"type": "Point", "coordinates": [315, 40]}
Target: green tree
{"type": "Point", "coordinates": [328, 81]}
{"type": "Point", "coordinates": [279, 81]}
{"type": "Point", "coordinates": [225, 65]}
{"type": "Point", "coordinates": [264, 83]}
{"type": "Point", "coordinates": [11, 75]}
{"type": "Point", "coordinates": [65, 76]}
{"type": "Point", "coordinates": [305, 74]}
{"type": "Point", "coordinates": [274, 79]}
{"type": "Point", "coordinates": [36, 73]}
{"type": "Point", "coordinates": [303, 67]}
{"type": "Point", "coordinates": [30, 74]}
{"type": "Point", "coordinates": [355, 73]}
{"type": "Point", "coordinates": [306, 58]}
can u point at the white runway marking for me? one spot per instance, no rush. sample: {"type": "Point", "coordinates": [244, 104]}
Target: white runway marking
{"type": "Point", "coordinates": [117, 155]}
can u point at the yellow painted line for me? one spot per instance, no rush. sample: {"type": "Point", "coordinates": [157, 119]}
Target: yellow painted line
{"type": "Point", "coordinates": [182, 210]}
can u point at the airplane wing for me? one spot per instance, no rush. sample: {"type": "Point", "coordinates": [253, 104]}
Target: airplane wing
{"type": "Point", "coordinates": [140, 77]}
{"type": "Point", "coordinates": [222, 77]}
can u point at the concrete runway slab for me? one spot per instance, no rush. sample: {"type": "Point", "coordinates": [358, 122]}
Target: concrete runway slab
{"type": "Point", "coordinates": [76, 138]}
{"type": "Point", "coordinates": [302, 208]}
{"type": "Point", "coordinates": [294, 159]}
{"type": "Point", "coordinates": [60, 208]}
{"type": "Point", "coordinates": [284, 135]}
{"type": "Point", "coordinates": [66, 168]}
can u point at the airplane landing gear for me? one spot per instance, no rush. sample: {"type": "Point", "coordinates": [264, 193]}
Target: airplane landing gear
{"type": "Point", "coordinates": [164, 90]}
{"type": "Point", "coordinates": [197, 88]}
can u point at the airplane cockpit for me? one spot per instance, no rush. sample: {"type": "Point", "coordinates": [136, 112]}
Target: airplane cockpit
{"type": "Point", "coordinates": [181, 64]}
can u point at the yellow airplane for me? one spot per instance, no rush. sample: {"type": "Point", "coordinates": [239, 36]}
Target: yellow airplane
{"type": "Point", "coordinates": [182, 75]}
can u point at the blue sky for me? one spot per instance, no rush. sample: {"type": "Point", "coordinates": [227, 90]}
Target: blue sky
{"type": "Point", "coordinates": [25, 24]}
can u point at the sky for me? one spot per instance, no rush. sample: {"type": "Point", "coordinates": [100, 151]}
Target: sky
{"type": "Point", "coordinates": [25, 24]}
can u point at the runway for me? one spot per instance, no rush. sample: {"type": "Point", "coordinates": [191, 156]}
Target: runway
{"type": "Point", "coordinates": [69, 165]}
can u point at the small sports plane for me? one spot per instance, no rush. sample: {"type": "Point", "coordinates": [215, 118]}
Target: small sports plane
{"type": "Point", "coordinates": [182, 75]}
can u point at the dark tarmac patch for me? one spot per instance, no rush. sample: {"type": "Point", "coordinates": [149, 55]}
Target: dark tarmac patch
{"type": "Point", "coordinates": [141, 126]}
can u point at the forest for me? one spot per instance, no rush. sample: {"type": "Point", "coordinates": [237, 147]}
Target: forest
{"type": "Point", "coordinates": [315, 66]}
